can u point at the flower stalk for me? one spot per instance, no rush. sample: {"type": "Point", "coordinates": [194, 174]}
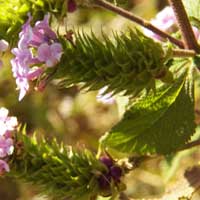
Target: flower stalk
{"type": "Point", "coordinates": [183, 53]}
{"type": "Point", "coordinates": [138, 20]}
{"type": "Point", "coordinates": [190, 41]}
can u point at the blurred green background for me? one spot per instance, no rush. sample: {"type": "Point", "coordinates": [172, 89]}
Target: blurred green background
{"type": "Point", "coordinates": [76, 118]}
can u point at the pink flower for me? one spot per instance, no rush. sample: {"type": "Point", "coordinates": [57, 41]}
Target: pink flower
{"type": "Point", "coordinates": [105, 98]}
{"type": "Point", "coordinates": [7, 124]}
{"type": "Point", "coordinates": [6, 146]}
{"type": "Point", "coordinates": [3, 167]}
{"type": "Point", "coordinates": [164, 20]}
{"type": "Point", "coordinates": [43, 32]}
{"type": "Point", "coordinates": [196, 32]}
{"type": "Point", "coordinates": [3, 45]}
{"type": "Point", "coordinates": [26, 34]}
{"type": "Point", "coordinates": [22, 72]}
{"type": "Point", "coordinates": [22, 86]}
{"type": "Point", "coordinates": [38, 46]}
{"type": "Point", "coordinates": [35, 36]}
{"type": "Point", "coordinates": [50, 54]}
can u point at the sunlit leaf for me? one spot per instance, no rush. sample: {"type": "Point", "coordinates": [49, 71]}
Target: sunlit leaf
{"type": "Point", "coordinates": [157, 123]}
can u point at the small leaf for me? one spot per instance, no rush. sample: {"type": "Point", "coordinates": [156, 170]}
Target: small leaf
{"type": "Point", "coordinates": [192, 7]}
{"type": "Point", "coordinates": [157, 123]}
{"type": "Point", "coordinates": [195, 22]}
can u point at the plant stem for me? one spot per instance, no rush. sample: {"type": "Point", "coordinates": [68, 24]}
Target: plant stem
{"type": "Point", "coordinates": [190, 145]}
{"type": "Point", "coordinates": [138, 20]}
{"type": "Point", "coordinates": [190, 41]}
{"type": "Point", "coordinates": [183, 53]}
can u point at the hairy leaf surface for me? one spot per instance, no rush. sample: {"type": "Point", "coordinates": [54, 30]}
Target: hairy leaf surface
{"type": "Point", "coordinates": [157, 123]}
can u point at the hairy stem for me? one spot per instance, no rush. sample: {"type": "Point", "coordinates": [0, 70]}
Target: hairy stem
{"type": "Point", "coordinates": [190, 41]}
{"type": "Point", "coordinates": [183, 53]}
{"type": "Point", "coordinates": [138, 20]}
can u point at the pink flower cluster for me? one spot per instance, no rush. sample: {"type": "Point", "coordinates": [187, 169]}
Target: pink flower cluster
{"type": "Point", "coordinates": [38, 47]}
{"type": "Point", "coordinates": [165, 20]}
{"type": "Point", "coordinates": [7, 126]}
{"type": "Point", "coordinates": [3, 47]}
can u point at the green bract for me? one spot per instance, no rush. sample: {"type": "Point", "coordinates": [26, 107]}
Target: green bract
{"type": "Point", "coordinates": [128, 64]}
{"type": "Point", "coordinates": [58, 171]}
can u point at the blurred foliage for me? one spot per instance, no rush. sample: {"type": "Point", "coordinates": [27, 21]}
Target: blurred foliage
{"type": "Point", "coordinates": [77, 118]}
{"type": "Point", "coordinates": [13, 14]}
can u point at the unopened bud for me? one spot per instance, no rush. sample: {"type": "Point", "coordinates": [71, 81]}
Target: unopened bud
{"type": "Point", "coordinates": [106, 161]}
{"type": "Point", "coordinates": [71, 6]}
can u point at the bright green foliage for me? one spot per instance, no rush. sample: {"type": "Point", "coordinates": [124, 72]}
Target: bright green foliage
{"type": "Point", "coordinates": [193, 9]}
{"type": "Point", "coordinates": [59, 172]}
{"type": "Point", "coordinates": [157, 123]}
{"type": "Point", "coordinates": [128, 64]}
{"type": "Point", "coordinates": [14, 14]}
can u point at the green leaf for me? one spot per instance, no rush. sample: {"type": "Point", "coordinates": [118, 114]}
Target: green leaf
{"type": "Point", "coordinates": [193, 10]}
{"type": "Point", "coordinates": [195, 22]}
{"type": "Point", "coordinates": [157, 123]}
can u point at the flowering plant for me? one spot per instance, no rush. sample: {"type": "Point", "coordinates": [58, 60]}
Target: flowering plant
{"type": "Point", "coordinates": [38, 46]}
{"type": "Point", "coordinates": [8, 127]}
{"type": "Point", "coordinates": [155, 69]}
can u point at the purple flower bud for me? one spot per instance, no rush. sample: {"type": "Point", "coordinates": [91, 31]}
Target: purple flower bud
{"type": "Point", "coordinates": [107, 161]}
{"type": "Point", "coordinates": [104, 181]}
{"type": "Point", "coordinates": [116, 172]}
{"type": "Point", "coordinates": [71, 6]}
